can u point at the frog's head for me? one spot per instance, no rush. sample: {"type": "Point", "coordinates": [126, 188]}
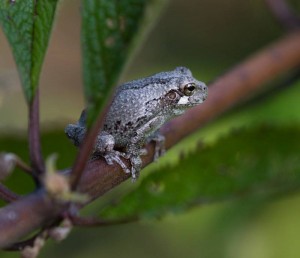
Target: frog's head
{"type": "Point", "coordinates": [186, 91]}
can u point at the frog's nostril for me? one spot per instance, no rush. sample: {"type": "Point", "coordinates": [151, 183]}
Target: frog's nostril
{"type": "Point", "coordinates": [205, 92]}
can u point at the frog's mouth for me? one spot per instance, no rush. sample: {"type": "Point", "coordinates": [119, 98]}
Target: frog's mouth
{"type": "Point", "coordinates": [192, 100]}
{"type": "Point", "coordinates": [184, 100]}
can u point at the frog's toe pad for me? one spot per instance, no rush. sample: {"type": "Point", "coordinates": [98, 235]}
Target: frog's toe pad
{"type": "Point", "coordinates": [115, 157]}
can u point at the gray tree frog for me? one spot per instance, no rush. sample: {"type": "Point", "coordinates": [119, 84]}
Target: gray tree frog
{"type": "Point", "coordinates": [139, 108]}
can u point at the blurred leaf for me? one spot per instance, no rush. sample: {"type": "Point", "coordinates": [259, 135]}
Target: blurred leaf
{"type": "Point", "coordinates": [249, 162]}
{"type": "Point", "coordinates": [27, 25]}
{"type": "Point", "coordinates": [109, 29]}
{"type": "Point", "coordinates": [52, 142]}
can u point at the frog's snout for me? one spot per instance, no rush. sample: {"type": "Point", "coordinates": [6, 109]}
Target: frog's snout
{"type": "Point", "coordinates": [204, 91]}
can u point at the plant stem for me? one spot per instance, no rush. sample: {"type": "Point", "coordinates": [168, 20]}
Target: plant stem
{"type": "Point", "coordinates": [284, 14]}
{"type": "Point", "coordinates": [7, 195]}
{"type": "Point", "coordinates": [23, 166]}
{"type": "Point", "coordinates": [19, 246]}
{"type": "Point", "coordinates": [96, 222]}
{"type": "Point", "coordinates": [85, 151]}
{"type": "Point", "coordinates": [36, 158]}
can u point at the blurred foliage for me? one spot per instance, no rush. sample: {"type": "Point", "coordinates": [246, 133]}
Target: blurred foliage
{"type": "Point", "coordinates": [27, 25]}
{"type": "Point", "coordinates": [247, 162]}
{"type": "Point", "coordinates": [108, 31]}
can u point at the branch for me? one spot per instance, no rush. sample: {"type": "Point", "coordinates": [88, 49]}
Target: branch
{"type": "Point", "coordinates": [28, 242]}
{"type": "Point", "coordinates": [85, 151]}
{"type": "Point", "coordinates": [36, 158]}
{"type": "Point", "coordinates": [24, 215]}
{"type": "Point", "coordinates": [7, 195]}
{"type": "Point", "coordinates": [95, 222]}
{"type": "Point", "coordinates": [284, 14]}
{"type": "Point", "coordinates": [8, 161]}
{"type": "Point", "coordinates": [240, 83]}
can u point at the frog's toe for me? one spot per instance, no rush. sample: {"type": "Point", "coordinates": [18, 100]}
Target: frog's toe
{"type": "Point", "coordinates": [135, 160]}
{"type": "Point", "coordinates": [109, 160]}
{"type": "Point", "coordinates": [160, 153]}
{"type": "Point", "coordinates": [159, 150]}
{"type": "Point", "coordinates": [136, 165]}
{"type": "Point", "coordinates": [115, 157]}
{"type": "Point", "coordinates": [135, 173]}
{"type": "Point", "coordinates": [143, 152]}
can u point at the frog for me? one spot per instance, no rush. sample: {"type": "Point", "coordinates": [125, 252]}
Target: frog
{"type": "Point", "coordinates": [138, 110]}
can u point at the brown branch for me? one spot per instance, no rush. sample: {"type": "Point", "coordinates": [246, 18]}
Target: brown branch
{"type": "Point", "coordinates": [28, 242]}
{"type": "Point", "coordinates": [43, 233]}
{"type": "Point", "coordinates": [8, 161]}
{"type": "Point", "coordinates": [24, 167]}
{"type": "Point", "coordinates": [85, 151]}
{"type": "Point", "coordinates": [96, 222]}
{"type": "Point", "coordinates": [238, 84]}
{"type": "Point", "coordinates": [284, 14]}
{"type": "Point", "coordinates": [35, 151]}
{"type": "Point", "coordinates": [25, 215]}
{"type": "Point", "coordinates": [7, 195]}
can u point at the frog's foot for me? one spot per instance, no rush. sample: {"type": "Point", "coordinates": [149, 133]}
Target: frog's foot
{"type": "Point", "coordinates": [114, 156]}
{"type": "Point", "coordinates": [143, 152]}
{"type": "Point", "coordinates": [159, 150]}
{"type": "Point", "coordinates": [135, 160]}
{"type": "Point", "coordinates": [136, 165]}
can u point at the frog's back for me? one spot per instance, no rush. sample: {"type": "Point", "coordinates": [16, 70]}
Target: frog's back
{"type": "Point", "coordinates": [127, 113]}
{"type": "Point", "coordinates": [157, 80]}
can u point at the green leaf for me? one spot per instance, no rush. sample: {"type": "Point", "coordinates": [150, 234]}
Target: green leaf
{"type": "Point", "coordinates": [27, 25]}
{"type": "Point", "coordinates": [109, 29]}
{"type": "Point", "coordinates": [253, 162]}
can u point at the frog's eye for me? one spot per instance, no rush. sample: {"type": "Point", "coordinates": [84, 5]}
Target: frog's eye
{"type": "Point", "coordinates": [188, 89]}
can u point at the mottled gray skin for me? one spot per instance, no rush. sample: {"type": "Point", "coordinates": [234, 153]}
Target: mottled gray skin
{"type": "Point", "coordinates": [139, 108]}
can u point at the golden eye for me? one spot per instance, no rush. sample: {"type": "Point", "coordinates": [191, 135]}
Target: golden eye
{"type": "Point", "coordinates": [188, 89]}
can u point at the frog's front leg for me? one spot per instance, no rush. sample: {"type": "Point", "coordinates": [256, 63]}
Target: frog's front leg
{"type": "Point", "coordinates": [159, 140]}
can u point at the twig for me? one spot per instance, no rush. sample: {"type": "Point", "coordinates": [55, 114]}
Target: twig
{"type": "Point", "coordinates": [19, 246]}
{"type": "Point", "coordinates": [277, 87]}
{"type": "Point", "coordinates": [8, 161]}
{"type": "Point", "coordinates": [96, 222]}
{"type": "Point", "coordinates": [7, 195]}
{"type": "Point", "coordinates": [240, 83]}
{"type": "Point", "coordinates": [36, 158]}
{"type": "Point", "coordinates": [43, 233]}
{"type": "Point", "coordinates": [15, 217]}
{"type": "Point", "coordinates": [23, 166]}
{"type": "Point", "coordinates": [284, 14]}
{"type": "Point", "coordinates": [85, 151]}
